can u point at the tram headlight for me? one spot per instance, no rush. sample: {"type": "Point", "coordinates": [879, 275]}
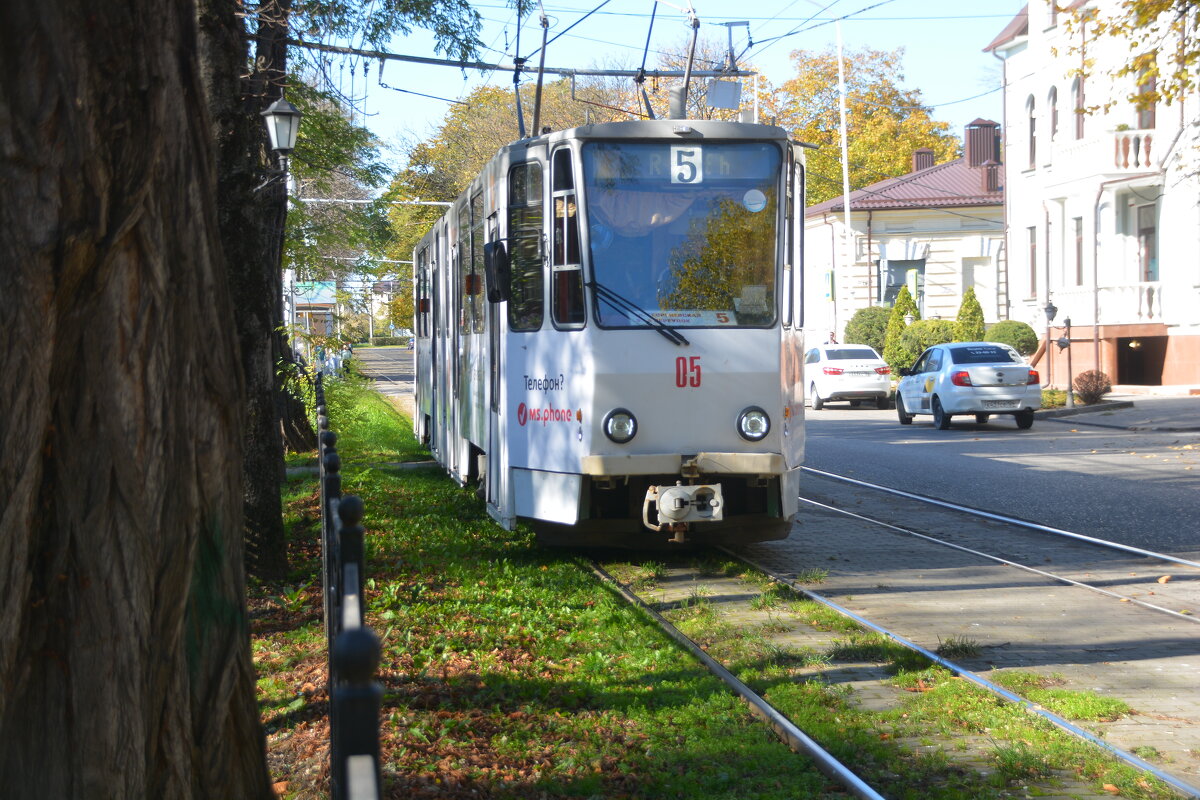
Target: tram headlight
{"type": "Point", "coordinates": [620, 425]}
{"type": "Point", "coordinates": [753, 424]}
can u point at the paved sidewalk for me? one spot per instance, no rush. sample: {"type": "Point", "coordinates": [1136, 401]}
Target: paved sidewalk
{"type": "Point", "coordinates": [1134, 412]}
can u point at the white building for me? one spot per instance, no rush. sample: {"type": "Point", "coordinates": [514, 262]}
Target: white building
{"type": "Point", "coordinates": [939, 229]}
{"type": "Point", "coordinates": [1103, 208]}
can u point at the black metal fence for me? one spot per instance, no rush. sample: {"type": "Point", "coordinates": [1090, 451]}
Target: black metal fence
{"type": "Point", "coordinates": [355, 696]}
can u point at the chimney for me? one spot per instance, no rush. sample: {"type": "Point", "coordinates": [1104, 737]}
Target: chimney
{"type": "Point", "coordinates": [982, 142]}
{"type": "Point", "coordinates": [922, 159]}
{"type": "Point", "coordinates": [990, 176]}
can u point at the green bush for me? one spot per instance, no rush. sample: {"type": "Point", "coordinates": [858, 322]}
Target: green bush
{"type": "Point", "coordinates": [893, 352]}
{"type": "Point", "coordinates": [969, 325]}
{"type": "Point", "coordinates": [1017, 335]}
{"type": "Point", "coordinates": [1092, 385]}
{"type": "Point", "coordinates": [389, 341]}
{"type": "Point", "coordinates": [868, 326]}
{"type": "Point", "coordinates": [925, 333]}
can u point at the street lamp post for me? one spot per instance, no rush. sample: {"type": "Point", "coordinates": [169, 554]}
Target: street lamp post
{"type": "Point", "coordinates": [1064, 343]}
{"type": "Point", "coordinates": [1051, 310]}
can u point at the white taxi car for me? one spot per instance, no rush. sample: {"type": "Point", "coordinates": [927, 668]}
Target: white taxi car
{"type": "Point", "coordinates": [978, 378]}
{"type": "Point", "coordinates": [853, 372]}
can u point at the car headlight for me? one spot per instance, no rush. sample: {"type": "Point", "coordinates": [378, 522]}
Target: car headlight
{"type": "Point", "coordinates": [620, 425]}
{"type": "Point", "coordinates": [753, 424]}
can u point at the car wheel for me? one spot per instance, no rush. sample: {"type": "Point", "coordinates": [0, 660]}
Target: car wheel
{"type": "Point", "coordinates": [941, 420]}
{"type": "Point", "coordinates": [882, 402]}
{"type": "Point", "coordinates": [1024, 419]}
{"type": "Point", "coordinates": [905, 419]}
{"type": "Point", "coordinates": [814, 398]}
{"type": "Point", "coordinates": [855, 403]}
{"type": "Point", "coordinates": [982, 419]}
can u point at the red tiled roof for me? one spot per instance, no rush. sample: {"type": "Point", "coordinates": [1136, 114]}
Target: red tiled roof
{"type": "Point", "coordinates": [1018, 27]}
{"type": "Point", "coordinates": [949, 185]}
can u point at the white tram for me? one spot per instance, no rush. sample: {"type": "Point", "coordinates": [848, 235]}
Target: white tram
{"type": "Point", "coordinates": [609, 333]}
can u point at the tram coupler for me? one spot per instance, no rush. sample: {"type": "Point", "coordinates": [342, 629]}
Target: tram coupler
{"type": "Point", "coordinates": [680, 505]}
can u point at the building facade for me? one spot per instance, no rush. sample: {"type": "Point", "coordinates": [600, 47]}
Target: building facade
{"type": "Point", "coordinates": [1103, 200]}
{"type": "Point", "coordinates": [939, 230]}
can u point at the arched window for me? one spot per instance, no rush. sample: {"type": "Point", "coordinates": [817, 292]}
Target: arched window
{"type": "Point", "coordinates": [1031, 115]}
{"type": "Point", "coordinates": [1052, 106]}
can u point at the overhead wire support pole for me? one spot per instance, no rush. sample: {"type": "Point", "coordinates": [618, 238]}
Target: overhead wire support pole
{"type": "Point", "coordinates": [848, 244]}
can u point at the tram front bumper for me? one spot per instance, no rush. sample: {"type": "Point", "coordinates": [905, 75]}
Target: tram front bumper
{"type": "Point", "coordinates": [764, 464]}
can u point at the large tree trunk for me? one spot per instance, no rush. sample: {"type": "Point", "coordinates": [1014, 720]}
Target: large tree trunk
{"type": "Point", "coordinates": [125, 666]}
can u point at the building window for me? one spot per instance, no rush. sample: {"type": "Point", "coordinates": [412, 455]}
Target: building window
{"type": "Point", "coordinates": [1052, 104]}
{"type": "Point", "coordinates": [1078, 221]}
{"type": "Point", "coordinates": [1077, 101]}
{"type": "Point", "coordinates": [1147, 244]}
{"type": "Point", "coordinates": [1146, 100]}
{"type": "Point", "coordinates": [1031, 114]}
{"type": "Point", "coordinates": [1032, 261]}
{"type": "Point", "coordinates": [896, 273]}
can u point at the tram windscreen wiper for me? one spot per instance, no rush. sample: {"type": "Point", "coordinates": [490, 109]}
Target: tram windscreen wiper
{"type": "Point", "coordinates": [630, 308]}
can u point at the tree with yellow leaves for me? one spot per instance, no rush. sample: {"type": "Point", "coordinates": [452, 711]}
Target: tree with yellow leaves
{"type": "Point", "coordinates": [885, 123]}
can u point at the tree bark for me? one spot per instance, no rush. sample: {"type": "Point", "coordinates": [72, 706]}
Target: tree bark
{"type": "Point", "coordinates": [125, 666]}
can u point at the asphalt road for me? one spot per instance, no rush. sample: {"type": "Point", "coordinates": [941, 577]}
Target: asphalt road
{"type": "Point", "coordinates": [1139, 488]}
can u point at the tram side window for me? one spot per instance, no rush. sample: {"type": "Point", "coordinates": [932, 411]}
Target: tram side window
{"type": "Point", "coordinates": [567, 286]}
{"type": "Point", "coordinates": [422, 310]}
{"type": "Point", "coordinates": [526, 307]}
{"type": "Point", "coordinates": [470, 265]}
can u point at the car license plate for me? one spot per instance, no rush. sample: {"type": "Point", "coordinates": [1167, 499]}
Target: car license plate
{"type": "Point", "coordinates": [999, 403]}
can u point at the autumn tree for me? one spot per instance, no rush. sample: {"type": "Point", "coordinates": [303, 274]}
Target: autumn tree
{"type": "Point", "coordinates": [124, 654]}
{"type": "Point", "coordinates": [968, 326]}
{"type": "Point", "coordinates": [885, 123]}
{"type": "Point", "coordinates": [1162, 40]}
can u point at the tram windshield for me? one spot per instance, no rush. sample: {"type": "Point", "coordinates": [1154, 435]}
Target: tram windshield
{"type": "Point", "coordinates": [684, 231]}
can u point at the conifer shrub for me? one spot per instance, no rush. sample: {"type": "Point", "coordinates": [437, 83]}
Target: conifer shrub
{"type": "Point", "coordinates": [969, 327]}
{"type": "Point", "coordinates": [894, 352]}
{"type": "Point", "coordinates": [868, 326]}
{"type": "Point", "coordinates": [923, 334]}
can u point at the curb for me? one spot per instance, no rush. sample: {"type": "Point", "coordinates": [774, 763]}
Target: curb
{"type": "Point", "coordinates": [1110, 405]}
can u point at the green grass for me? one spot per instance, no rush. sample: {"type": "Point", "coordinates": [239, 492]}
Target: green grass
{"type": "Point", "coordinates": [509, 671]}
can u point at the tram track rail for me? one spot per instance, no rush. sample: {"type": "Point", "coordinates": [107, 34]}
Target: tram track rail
{"type": "Point", "coordinates": [784, 728]}
{"type": "Point", "coordinates": [801, 742]}
{"type": "Point", "coordinates": [1185, 789]}
{"type": "Point", "coordinates": [907, 531]}
{"type": "Point", "coordinates": [1033, 526]}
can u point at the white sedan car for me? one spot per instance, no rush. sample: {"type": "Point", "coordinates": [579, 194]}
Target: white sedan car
{"type": "Point", "coordinates": [977, 378]}
{"type": "Point", "coordinates": [853, 372]}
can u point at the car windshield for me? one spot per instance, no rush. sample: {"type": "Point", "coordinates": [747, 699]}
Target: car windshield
{"type": "Point", "coordinates": [983, 354]}
{"type": "Point", "coordinates": [845, 353]}
{"type": "Point", "coordinates": [683, 232]}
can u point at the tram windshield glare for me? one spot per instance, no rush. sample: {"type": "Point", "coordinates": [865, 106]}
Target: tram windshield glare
{"type": "Point", "coordinates": [683, 231]}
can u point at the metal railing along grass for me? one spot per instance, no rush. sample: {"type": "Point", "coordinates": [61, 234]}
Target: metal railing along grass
{"type": "Point", "coordinates": [355, 696]}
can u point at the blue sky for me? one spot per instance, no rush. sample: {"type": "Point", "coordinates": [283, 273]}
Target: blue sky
{"type": "Point", "coordinates": [943, 42]}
